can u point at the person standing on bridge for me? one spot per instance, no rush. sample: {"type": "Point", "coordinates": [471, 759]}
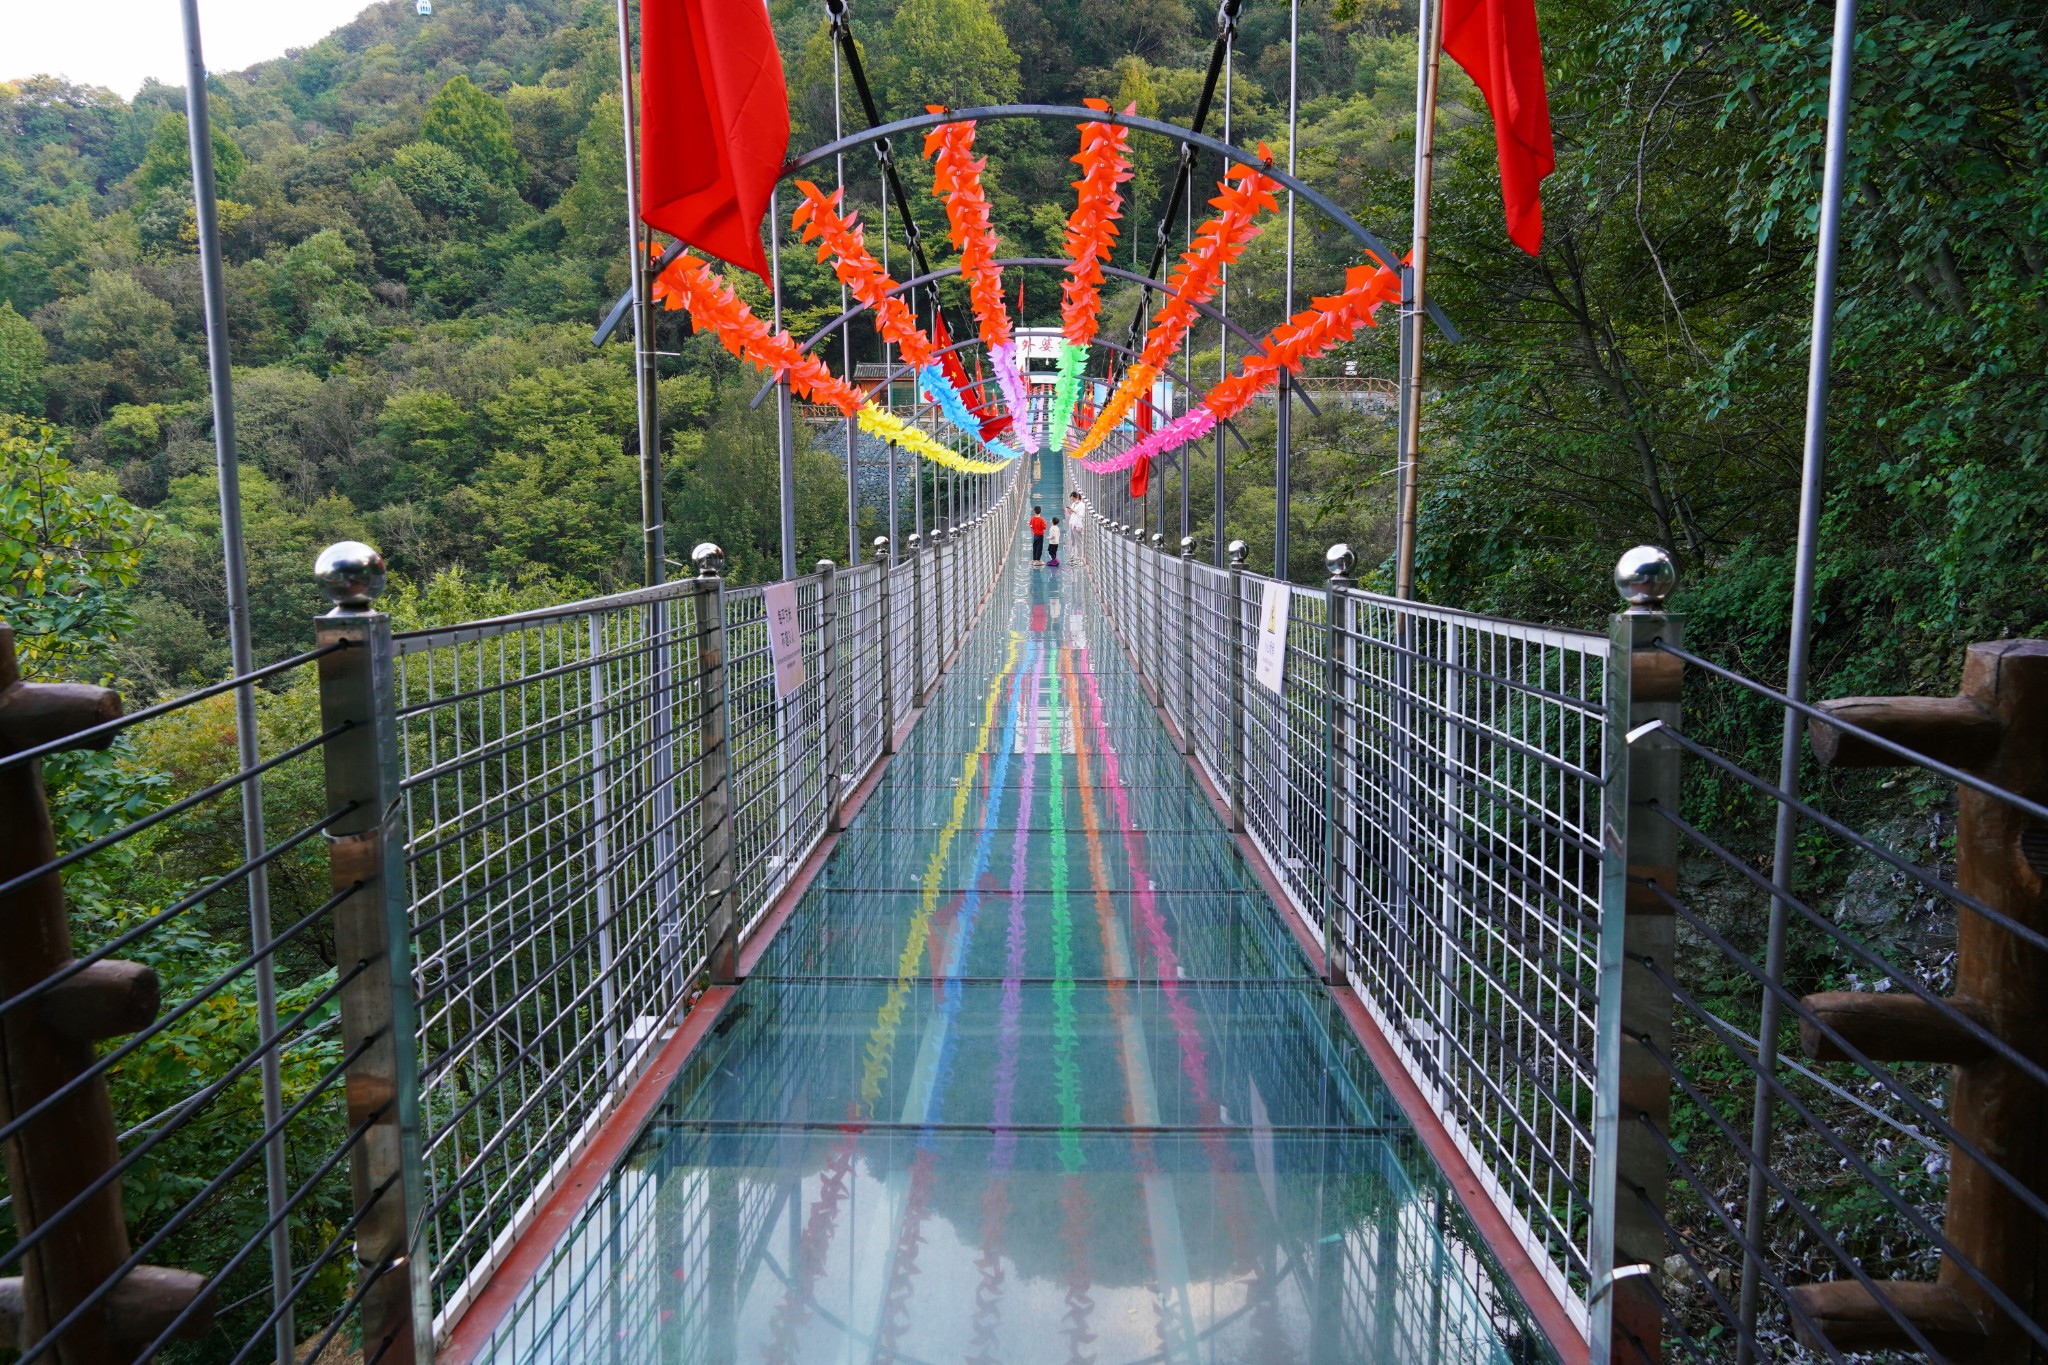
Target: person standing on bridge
{"type": "Point", "coordinates": [1052, 544]}
{"type": "Point", "coordinates": [1037, 535]}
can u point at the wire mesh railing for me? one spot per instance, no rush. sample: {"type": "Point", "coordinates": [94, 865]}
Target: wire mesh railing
{"type": "Point", "coordinates": [1729, 1109]}
{"type": "Point", "coordinates": [519, 847]}
{"type": "Point", "coordinates": [175, 1105]}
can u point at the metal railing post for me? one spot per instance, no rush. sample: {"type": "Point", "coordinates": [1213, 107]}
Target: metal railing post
{"type": "Point", "coordinates": [1638, 853]}
{"type": "Point", "coordinates": [1338, 562]}
{"type": "Point", "coordinates": [601, 850]}
{"type": "Point", "coordinates": [1158, 617]}
{"type": "Point", "coordinates": [828, 682]}
{"type": "Point", "coordinates": [916, 557]}
{"type": "Point", "coordinates": [886, 635]}
{"type": "Point", "coordinates": [373, 938]}
{"type": "Point", "coordinates": [1187, 653]}
{"type": "Point", "coordinates": [1234, 645]}
{"type": "Point", "coordinates": [715, 782]}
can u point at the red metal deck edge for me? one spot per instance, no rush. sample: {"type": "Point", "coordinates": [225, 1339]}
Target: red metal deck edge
{"type": "Point", "coordinates": [1521, 1270]}
{"type": "Point", "coordinates": [592, 1169]}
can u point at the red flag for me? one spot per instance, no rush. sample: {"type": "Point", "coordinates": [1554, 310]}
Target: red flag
{"type": "Point", "coordinates": [714, 120]}
{"type": "Point", "coordinates": [1141, 476]}
{"type": "Point", "coordinates": [1497, 44]}
{"type": "Point", "coordinates": [1144, 417]}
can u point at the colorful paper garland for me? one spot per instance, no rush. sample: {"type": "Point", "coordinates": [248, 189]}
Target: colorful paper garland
{"type": "Point", "coordinates": [690, 283]}
{"type": "Point", "coordinates": [818, 217]}
{"type": "Point", "coordinates": [1327, 322]}
{"type": "Point", "coordinates": [956, 178]}
{"type": "Point", "coordinates": [1092, 226]}
{"type": "Point", "coordinates": [1245, 193]}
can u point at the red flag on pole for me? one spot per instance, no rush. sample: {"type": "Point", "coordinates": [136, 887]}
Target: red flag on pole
{"type": "Point", "coordinates": [1141, 476]}
{"type": "Point", "coordinates": [1497, 44]}
{"type": "Point", "coordinates": [714, 119]}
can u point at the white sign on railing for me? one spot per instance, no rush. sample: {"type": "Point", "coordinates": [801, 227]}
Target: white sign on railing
{"type": "Point", "coordinates": [785, 640]}
{"type": "Point", "coordinates": [1273, 608]}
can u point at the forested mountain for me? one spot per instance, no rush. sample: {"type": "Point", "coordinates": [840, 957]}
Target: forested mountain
{"type": "Point", "coordinates": [424, 216]}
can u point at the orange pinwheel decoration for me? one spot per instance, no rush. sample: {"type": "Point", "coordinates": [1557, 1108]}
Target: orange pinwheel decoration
{"type": "Point", "coordinates": [1091, 227]}
{"type": "Point", "coordinates": [689, 283]}
{"type": "Point", "coordinates": [1245, 194]}
{"type": "Point", "coordinates": [819, 218]}
{"type": "Point", "coordinates": [956, 178]}
{"type": "Point", "coordinates": [1328, 322]}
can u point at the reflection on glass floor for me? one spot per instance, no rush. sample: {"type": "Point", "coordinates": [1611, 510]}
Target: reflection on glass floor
{"type": "Point", "coordinates": [1034, 1073]}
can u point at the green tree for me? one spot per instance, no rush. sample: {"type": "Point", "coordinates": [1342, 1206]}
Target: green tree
{"type": "Point", "coordinates": [116, 343]}
{"type": "Point", "coordinates": [23, 353]}
{"type": "Point", "coordinates": [950, 52]}
{"type": "Point", "coordinates": [474, 125]}
{"type": "Point", "coordinates": [168, 162]}
{"type": "Point", "coordinates": [68, 545]}
{"type": "Point", "coordinates": [283, 540]}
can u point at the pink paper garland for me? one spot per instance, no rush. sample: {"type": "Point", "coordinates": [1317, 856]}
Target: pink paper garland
{"type": "Point", "coordinates": [1191, 425]}
{"type": "Point", "coordinates": [1004, 358]}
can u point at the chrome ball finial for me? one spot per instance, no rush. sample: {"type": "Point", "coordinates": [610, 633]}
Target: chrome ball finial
{"type": "Point", "coordinates": [1645, 577]}
{"type": "Point", "coordinates": [1158, 539]}
{"type": "Point", "coordinates": [825, 566]}
{"type": "Point", "coordinates": [1339, 561]}
{"type": "Point", "coordinates": [351, 574]}
{"type": "Point", "coordinates": [1238, 552]}
{"type": "Point", "coordinates": [709, 559]}
{"type": "Point", "coordinates": [881, 548]}
{"type": "Point", "coordinates": [912, 541]}
{"type": "Point", "coordinates": [1187, 547]}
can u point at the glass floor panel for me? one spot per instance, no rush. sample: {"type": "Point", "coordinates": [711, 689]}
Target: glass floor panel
{"type": "Point", "coordinates": [1034, 1072]}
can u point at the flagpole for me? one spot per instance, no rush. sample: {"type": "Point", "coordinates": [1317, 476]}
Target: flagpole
{"type": "Point", "coordinates": [653, 532]}
{"type": "Point", "coordinates": [1414, 298]}
{"type": "Point", "coordinates": [1223, 303]}
{"type": "Point", "coordinates": [1283, 399]}
{"type": "Point", "coordinates": [241, 657]}
{"type": "Point", "coordinates": [785, 425]}
{"type": "Point", "coordinates": [846, 332]}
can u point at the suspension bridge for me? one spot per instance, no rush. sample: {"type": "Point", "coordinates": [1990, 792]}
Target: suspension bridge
{"type": "Point", "coordinates": [946, 955]}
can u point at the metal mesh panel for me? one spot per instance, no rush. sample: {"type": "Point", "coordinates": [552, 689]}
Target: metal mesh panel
{"type": "Point", "coordinates": [550, 794]}
{"type": "Point", "coordinates": [777, 748]}
{"type": "Point", "coordinates": [1462, 873]}
{"type": "Point", "coordinates": [1469, 858]}
{"type": "Point", "coordinates": [1284, 757]}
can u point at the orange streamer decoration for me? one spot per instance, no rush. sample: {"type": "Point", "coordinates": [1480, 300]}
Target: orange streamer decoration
{"type": "Point", "coordinates": [1245, 194]}
{"type": "Point", "coordinates": [1091, 228]}
{"type": "Point", "coordinates": [1328, 322]}
{"type": "Point", "coordinates": [689, 283]}
{"type": "Point", "coordinates": [818, 217]}
{"type": "Point", "coordinates": [956, 178]}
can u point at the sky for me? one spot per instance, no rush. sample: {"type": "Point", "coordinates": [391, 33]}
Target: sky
{"type": "Point", "coordinates": [120, 43]}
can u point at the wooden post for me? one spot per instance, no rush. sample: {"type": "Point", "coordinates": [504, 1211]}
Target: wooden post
{"type": "Point", "coordinates": [1997, 729]}
{"type": "Point", "coordinates": [45, 1045]}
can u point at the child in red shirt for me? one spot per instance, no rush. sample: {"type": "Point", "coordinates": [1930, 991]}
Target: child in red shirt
{"type": "Point", "coordinates": [1037, 536]}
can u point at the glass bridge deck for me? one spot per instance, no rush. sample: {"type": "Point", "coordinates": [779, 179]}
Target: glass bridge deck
{"type": "Point", "coordinates": [1033, 1073]}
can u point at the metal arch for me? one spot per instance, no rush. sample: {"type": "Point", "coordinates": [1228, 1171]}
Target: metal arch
{"type": "Point", "coordinates": [1061, 113]}
{"type": "Point", "coordinates": [1064, 113]}
{"type": "Point", "coordinates": [901, 370]}
{"type": "Point", "coordinates": [1021, 262]}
